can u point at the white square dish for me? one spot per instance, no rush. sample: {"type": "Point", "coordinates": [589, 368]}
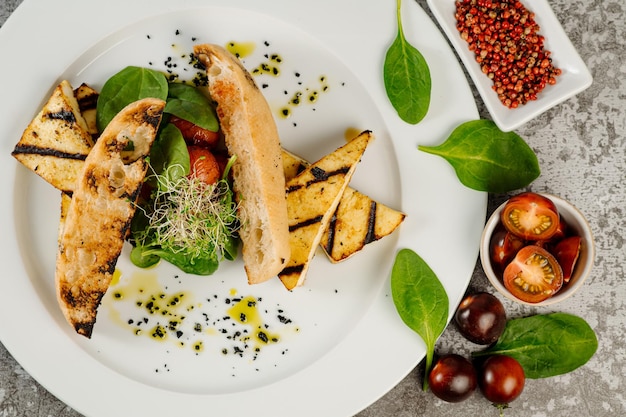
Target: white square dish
{"type": "Point", "coordinates": [575, 76]}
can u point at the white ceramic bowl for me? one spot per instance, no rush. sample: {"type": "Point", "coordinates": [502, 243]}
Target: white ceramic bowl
{"type": "Point", "coordinates": [574, 79]}
{"type": "Point", "coordinates": [578, 224]}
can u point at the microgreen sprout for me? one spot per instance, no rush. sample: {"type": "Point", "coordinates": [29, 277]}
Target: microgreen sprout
{"type": "Point", "coordinates": [186, 215]}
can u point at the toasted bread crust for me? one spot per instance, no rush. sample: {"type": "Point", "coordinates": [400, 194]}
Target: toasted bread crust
{"type": "Point", "coordinates": [99, 214]}
{"type": "Point", "coordinates": [252, 136]}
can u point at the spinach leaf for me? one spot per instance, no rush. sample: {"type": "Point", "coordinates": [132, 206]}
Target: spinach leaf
{"type": "Point", "coordinates": [128, 85]}
{"type": "Point", "coordinates": [185, 261]}
{"type": "Point", "coordinates": [407, 77]}
{"type": "Point", "coordinates": [188, 102]}
{"type": "Point", "coordinates": [487, 159]}
{"type": "Point", "coordinates": [421, 300]}
{"type": "Point", "coordinates": [140, 257]}
{"type": "Point", "coordinates": [546, 345]}
{"type": "Point", "coordinates": [169, 155]}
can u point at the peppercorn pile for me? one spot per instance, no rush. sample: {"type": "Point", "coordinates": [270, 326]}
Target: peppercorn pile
{"type": "Point", "coordinates": [507, 45]}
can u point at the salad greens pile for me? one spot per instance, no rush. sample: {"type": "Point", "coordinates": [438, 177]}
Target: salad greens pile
{"type": "Point", "coordinates": [184, 221]}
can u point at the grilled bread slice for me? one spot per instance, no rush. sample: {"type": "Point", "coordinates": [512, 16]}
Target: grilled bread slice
{"type": "Point", "coordinates": [101, 208]}
{"type": "Point", "coordinates": [251, 135]}
{"type": "Point", "coordinates": [312, 198]}
{"type": "Point", "coordinates": [57, 141]}
{"type": "Point", "coordinates": [358, 220]}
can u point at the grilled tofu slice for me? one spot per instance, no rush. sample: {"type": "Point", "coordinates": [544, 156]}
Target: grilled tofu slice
{"type": "Point", "coordinates": [87, 99]}
{"type": "Point", "coordinates": [98, 217]}
{"type": "Point", "coordinates": [312, 198]}
{"type": "Point", "coordinates": [57, 141]}
{"type": "Point", "coordinates": [358, 220]}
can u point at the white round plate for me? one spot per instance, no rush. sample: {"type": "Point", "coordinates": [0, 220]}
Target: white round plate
{"type": "Point", "coordinates": [340, 329]}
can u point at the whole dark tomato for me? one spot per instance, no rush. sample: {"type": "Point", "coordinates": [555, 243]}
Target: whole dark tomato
{"type": "Point", "coordinates": [566, 252]}
{"type": "Point", "coordinates": [203, 165]}
{"type": "Point", "coordinates": [481, 318]}
{"type": "Point", "coordinates": [530, 216]}
{"type": "Point", "coordinates": [452, 378]}
{"type": "Point", "coordinates": [503, 247]}
{"type": "Point", "coordinates": [533, 275]}
{"type": "Point", "coordinates": [501, 379]}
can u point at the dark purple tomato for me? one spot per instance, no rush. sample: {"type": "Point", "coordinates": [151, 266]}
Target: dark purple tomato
{"type": "Point", "coordinates": [481, 318]}
{"type": "Point", "coordinates": [452, 378]}
{"type": "Point", "coordinates": [501, 379]}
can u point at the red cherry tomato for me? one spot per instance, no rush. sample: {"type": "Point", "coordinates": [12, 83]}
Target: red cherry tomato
{"type": "Point", "coordinates": [504, 245]}
{"type": "Point", "coordinates": [531, 216]}
{"type": "Point", "coordinates": [452, 378]}
{"type": "Point", "coordinates": [501, 379]}
{"type": "Point", "coordinates": [203, 165]}
{"type": "Point", "coordinates": [533, 275]}
{"type": "Point", "coordinates": [566, 253]}
{"type": "Point", "coordinates": [194, 134]}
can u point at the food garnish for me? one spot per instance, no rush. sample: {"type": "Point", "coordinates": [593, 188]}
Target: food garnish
{"type": "Point", "coordinates": [505, 39]}
{"type": "Point", "coordinates": [406, 76]}
{"type": "Point", "coordinates": [546, 345]}
{"type": "Point", "coordinates": [487, 159]}
{"type": "Point", "coordinates": [420, 299]}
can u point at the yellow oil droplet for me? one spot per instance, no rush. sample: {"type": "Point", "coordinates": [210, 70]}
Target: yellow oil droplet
{"type": "Point", "coordinates": [117, 274]}
{"type": "Point", "coordinates": [233, 292]}
{"type": "Point", "coordinates": [241, 49]}
{"type": "Point", "coordinates": [351, 133]}
{"type": "Point", "coordinates": [198, 346]}
{"type": "Point", "coordinates": [246, 312]}
{"type": "Point", "coordinates": [284, 112]}
{"type": "Point", "coordinates": [158, 333]}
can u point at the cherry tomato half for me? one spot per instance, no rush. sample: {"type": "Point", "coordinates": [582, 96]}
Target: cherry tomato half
{"type": "Point", "coordinates": [501, 379]}
{"type": "Point", "coordinates": [503, 247]}
{"type": "Point", "coordinates": [530, 216]}
{"type": "Point", "coordinates": [533, 275]}
{"type": "Point", "coordinates": [194, 134]}
{"type": "Point", "coordinates": [203, 165]}
{"type": "Point", "coordinates": [566, 253]}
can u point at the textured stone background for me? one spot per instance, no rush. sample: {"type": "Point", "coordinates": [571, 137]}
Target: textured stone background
{"type": "Point", "coordinates": [581, 145]}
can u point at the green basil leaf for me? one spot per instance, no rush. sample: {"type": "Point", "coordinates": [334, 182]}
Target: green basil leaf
{"type": "Point", "coordinates": [188, 102]}
{"type": "Point", "coordinates": [546, 345]}
{"type": "Point", "coordinates": [169, 155]}
{"type": "Point", "coordinates": [421, 300]}
{"type": "Point", "coordinates": [128, 85]}
{"type": "Point", "coordinates": [487, 159]}
{"type": "Point", "coordinates": [407, 77]}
